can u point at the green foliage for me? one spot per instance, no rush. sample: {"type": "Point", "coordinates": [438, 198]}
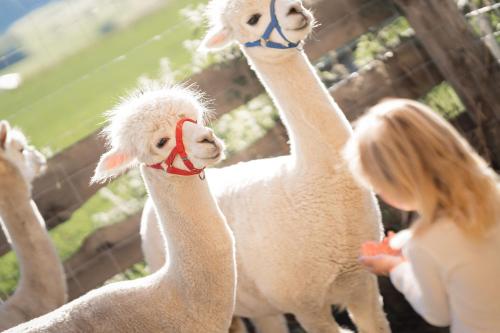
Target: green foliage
{"type": "Point", "coordinates": [246, 124]}
{"type": "Point", "coordinates": [137, 271]}
{"type": "Point", "coordinates": [444, 100]}
{"type": "Point", "coordinates": [373, 44]}
{"type": "Point", "coordinates": [9, 273]}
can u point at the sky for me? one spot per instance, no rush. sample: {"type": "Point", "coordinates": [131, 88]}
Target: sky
{"type": "Point", "coordinates": [12, 10]}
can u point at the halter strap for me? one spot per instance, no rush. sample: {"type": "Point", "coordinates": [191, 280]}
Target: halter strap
{"type": "Point", "coordinates": [265, 41]}
{"type": "Point", "coordinates": [179, 150]}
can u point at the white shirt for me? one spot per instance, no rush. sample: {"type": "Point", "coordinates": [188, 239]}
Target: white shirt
{"type": "Point", "coordinates": [452, 280]}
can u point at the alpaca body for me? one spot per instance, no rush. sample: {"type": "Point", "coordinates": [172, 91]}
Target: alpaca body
{"type": "Point", "coordinates": [288, 259]}
{"type": "Point", "coordinates": [195, 291]}
{"type": "Point", "coordinates": [298, 220]}
{"type": "Point", "coordinates": [42, 284]}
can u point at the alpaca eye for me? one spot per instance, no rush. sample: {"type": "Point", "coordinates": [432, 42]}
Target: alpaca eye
{"type": "Point", "coordinates": [254, 19]}
{"type": "Point", "coordinates": [21, 150]}
{"type": "Point", "coordinates": [162, 143]}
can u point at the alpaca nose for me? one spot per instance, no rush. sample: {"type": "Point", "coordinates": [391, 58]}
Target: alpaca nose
{"type": "Point", "coordinates": [295, 9]}
{"type": "Point", "coordinates": [207, 137]}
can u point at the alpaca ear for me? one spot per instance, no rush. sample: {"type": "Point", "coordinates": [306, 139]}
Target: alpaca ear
{"type": "Point", "coordinates": [111, 164]}
{"type": "Point", "coordinates": [4, 129]}
{"type": "Point", "coordinates": [216, 38]}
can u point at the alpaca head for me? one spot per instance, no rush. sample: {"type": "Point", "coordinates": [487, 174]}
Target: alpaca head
{"type": "Point", "coordinates": [142, 129]}
{"type": "Point", "coordinates": [246, 21]}
{"type": "Point", "coordinates": [14, 149]}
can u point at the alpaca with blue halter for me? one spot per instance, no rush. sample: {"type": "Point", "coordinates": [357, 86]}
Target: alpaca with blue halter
{"type": "Point", "coordinates": [269, 202]}
{"type": "Point", "coordinates": [265, 41]}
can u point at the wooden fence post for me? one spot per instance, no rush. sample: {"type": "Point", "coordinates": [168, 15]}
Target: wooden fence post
{"type": "Point", "coordinates": [464, 60]}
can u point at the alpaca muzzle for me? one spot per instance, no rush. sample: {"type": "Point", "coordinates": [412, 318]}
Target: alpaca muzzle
{"type": "Point", "coordinates": [179, 150]}
{"type": "Point", "coordinates": [265, 41]}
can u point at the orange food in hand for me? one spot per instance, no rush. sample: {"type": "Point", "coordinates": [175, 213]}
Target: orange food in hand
{"type": "Point", "coordinates": [372, 248]}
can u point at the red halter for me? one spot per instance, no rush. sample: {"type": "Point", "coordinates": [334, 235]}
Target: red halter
{"type": "Point", "coordinates": [179, 149]}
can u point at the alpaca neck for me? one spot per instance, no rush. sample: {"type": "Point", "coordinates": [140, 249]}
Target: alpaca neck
{"type": "Point", "coordinates": [42, 275]}
{"type": "Point", "coordinates": [316, 125]}
{"type": "Point", "coordinates": [200, 244]}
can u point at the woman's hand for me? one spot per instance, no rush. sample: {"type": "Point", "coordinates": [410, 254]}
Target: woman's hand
{"type": "Point", "coordinates": [380, 258]}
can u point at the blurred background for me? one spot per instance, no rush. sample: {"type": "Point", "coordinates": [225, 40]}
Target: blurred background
{"type": "Point", "coordinates": [63, 63]}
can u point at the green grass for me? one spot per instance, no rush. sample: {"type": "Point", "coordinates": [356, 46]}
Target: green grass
{"type": "Point", "coordinates": [63, 104]}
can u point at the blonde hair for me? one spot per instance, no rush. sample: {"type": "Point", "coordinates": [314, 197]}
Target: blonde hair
{"type": "Point", "coordinates": [403, 148]}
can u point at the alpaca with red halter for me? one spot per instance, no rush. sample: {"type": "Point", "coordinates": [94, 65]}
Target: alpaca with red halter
{"type": "Point", "coordinates": [194, 291]}
{"type": "Point", "coordinates": [179, 150]}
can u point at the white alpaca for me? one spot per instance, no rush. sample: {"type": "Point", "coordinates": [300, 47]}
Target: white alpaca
{"type": "Point", "coordinates": [195, 292]}
{"type": "Point", "coordinates": [298, 220]}
{"type": "Point", "coordinates": [42, 285]}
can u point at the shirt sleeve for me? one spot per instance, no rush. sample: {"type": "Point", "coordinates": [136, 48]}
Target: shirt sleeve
{"type": "Point", "coordinates": [419, 280]}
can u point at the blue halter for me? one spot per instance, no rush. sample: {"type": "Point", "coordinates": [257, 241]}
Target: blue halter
{"type": "Point", "coordinates": [265, 41]}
